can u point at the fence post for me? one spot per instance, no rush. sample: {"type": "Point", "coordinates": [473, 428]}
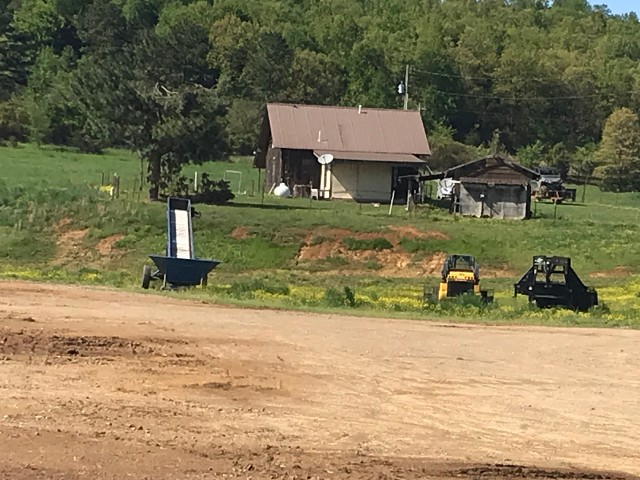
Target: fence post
{"type": "Point", "coordinates": [116, 186]}
{"type": "Point", "coordinates": [393, 197]}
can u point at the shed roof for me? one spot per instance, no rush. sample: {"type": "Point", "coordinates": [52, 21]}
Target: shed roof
{"type": "Point", "coordinates": [489, 169]}
{"type": "Point", "coordinates": [347, 129]}
{"type": "Point", "coordinates": [372, 157]}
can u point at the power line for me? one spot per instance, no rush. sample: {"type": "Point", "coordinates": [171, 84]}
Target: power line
{"type": "Point", "coordinates": [516, 98]}
{"type": "Point", "coordinates": [465, 77]}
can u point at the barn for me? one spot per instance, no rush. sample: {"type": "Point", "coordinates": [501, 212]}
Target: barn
{"type": "Point", "coordinates": [371, 148]}
{"type": "Point", "coordinates": [491, 187]}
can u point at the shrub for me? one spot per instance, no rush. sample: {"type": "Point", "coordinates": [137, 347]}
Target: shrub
{"type": "Point", "coordinates": [245, 288]}
{"type": "Point", "coordinates": [210, 192]}
{"type": "Point", "coordinates": [378, 243]}
{"type": "Point", "coordinates": [333, 297]}
{"type": "Point", "coordinates": [13, 123]}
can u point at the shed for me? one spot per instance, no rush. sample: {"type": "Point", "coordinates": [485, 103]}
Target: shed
{"type": "Point", "coordinates": [371, 148]}
{"type": "Point", "coordinates": [491, 187]}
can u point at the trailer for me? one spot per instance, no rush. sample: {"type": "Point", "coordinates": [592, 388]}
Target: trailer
{"type": "Point", "coordinates": [178, 267]}
{"type": "Point", "coordinates": [552, 282]}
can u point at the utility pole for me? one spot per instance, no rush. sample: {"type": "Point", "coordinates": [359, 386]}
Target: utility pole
{"type": "Point", "coordinates": [406, 88]}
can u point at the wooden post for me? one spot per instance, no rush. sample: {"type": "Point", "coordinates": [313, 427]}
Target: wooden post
{"type": "Point", "coordinates": [116, 186]}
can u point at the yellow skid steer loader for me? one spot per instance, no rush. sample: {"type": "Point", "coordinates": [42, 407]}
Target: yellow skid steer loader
{"type": "Point", "coordinates": [460, 276]}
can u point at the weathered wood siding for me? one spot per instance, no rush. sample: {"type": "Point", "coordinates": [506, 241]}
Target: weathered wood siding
{"type": "Point", "coordinates": [273, 167]}
{"type": "Point", "coordinates": [498, 201]}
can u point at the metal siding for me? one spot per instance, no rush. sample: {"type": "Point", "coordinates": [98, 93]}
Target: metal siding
{"type": "Point", "coordinates": [344, 129]}
{"type": "Point", "coordinates": [361, 181]}
{"type": "Point", "coordinates": [374, 182]}
{"type": "Point", "coordinates": [344, 180]}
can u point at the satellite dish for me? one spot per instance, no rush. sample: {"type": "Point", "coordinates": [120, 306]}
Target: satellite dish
{"type": "Point", "coordinates": [325, 159]}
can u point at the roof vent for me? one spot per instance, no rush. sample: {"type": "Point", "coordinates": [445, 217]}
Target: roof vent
{"type": "Point", "coordinates": [359, 109]}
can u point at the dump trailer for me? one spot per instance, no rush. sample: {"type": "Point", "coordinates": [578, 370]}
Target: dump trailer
{"type": "Point", "coordinates": [552, 282]}
{"type": "Point", "coordinates": [460, 276]}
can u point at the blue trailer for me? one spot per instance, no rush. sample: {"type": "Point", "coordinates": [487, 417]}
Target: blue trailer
{"type": "Point", "coordinates": [179, 267]}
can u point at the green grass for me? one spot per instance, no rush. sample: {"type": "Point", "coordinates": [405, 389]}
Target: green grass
{"type": "Point", "coordinates": [47, 193]}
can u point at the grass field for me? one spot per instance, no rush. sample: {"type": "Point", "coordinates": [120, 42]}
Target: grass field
{"type": "Point", "coordinates": [56, 224]}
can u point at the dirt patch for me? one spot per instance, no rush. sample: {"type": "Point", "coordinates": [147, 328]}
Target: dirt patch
{"type": "Point", "coordinates": [618, 272]}
{"type": "Point", "coordinates": [37, 343]}
{"type": "Point", "coordinates": [394, 262]}
{"type": "Point", "coordinates": [214, 392]}
{"type": "Point", "coordinates": [433, 265]}
{"type": "Point", "coordinates": [106, 246]}
{"type": "Point", "coordinates": [521, 471]}
{"type": "Point", "coordinates": [413, 232]}
{"type": "Point", "coordinates": [241, 233]}
{"type": "Point", "coordinates": [70, 246]}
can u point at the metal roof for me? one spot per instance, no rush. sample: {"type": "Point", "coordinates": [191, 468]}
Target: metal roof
{"type": "Point", "coordinates": [347, 129]}
{"type": "Point", "coordinates": [372, 157]}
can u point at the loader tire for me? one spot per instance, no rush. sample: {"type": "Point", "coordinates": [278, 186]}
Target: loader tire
{"type": "Point", "coordinates": [146, 277]}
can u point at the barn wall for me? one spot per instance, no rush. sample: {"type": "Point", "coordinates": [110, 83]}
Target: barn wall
{"type": "Point", "coordinates": [499, 201]}
{"type": "Point", "coordinates": [361, 181]}
{"type": "Point", "coordinates": [273, 167]}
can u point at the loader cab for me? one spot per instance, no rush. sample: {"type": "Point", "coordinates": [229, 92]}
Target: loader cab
{"type": "Point", "coordinates": [460, 266]}
{"type": "Point", "coordinates": [460, 274]}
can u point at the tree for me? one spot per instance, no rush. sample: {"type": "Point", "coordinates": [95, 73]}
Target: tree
{"type": "Point", "coordinates": [315, 79]}
{"type": "Point", "coordinates": [17, 53]}
{"type": "Point", "coordinates": [620, 151]}
{"type": "Point", "coordinates": [153, 98]}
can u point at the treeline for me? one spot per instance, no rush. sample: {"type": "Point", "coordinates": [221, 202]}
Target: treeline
{"type": "Point", "coordinates": [183, 80]}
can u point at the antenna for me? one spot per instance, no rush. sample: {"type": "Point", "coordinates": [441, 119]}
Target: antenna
{"type": "Point", "coordinates": [406, 88]}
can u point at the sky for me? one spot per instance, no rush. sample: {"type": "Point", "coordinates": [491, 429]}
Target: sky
{"type": "Point", "coordinates": [619, 6]}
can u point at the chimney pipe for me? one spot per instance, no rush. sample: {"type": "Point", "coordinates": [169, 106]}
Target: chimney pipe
{"type": "Point", "coordinates": [359, 109]}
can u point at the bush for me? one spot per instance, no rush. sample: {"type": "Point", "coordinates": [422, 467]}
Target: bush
{"type": "Point", "coordinates": [246, 288]}
{"type": "Point", "coordinates": [14, 123]}
{"type": "Point", "coordinates": [210, 192]}
{"type": "Point", "coordinates": [333, 297]}
{"type": "Point", "coordinates": [378, 243]}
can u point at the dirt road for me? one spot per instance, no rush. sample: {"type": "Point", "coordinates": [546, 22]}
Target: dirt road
{"type": "Point", "coordinates": [100, 384]}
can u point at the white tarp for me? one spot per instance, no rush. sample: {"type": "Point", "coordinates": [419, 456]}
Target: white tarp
{"type": "Point", "coordinates": [445, 187]}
